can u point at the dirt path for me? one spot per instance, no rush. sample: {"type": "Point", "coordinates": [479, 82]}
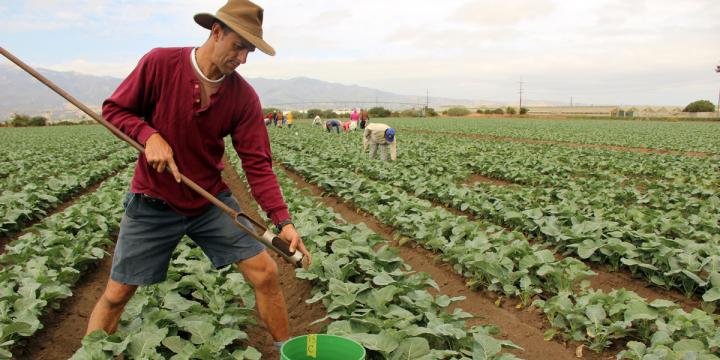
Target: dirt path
{"type": "Point", "coordinates": [64, 328]}
{"type": "Point", "coordinates": [296, 291]}
{"type": "Point", "coordinates": [477, 179]}
{"type": "Point", "coordinates": [524, 327]}
{"type": "Point", "coordinates": [567, 143]}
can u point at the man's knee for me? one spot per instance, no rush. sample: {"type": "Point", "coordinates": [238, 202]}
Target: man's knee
{"type": "Point", "coordinates": [117, 295]}
{"type": "Point", "coordinates": [262, 272]}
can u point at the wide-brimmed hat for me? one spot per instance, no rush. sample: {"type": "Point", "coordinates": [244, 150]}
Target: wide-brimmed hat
{"type": "Point", "coordinates": [243, 17]}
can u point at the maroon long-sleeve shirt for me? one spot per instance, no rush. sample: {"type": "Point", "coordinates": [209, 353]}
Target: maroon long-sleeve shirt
{"type": "Point", "coordinates": [163, 95]}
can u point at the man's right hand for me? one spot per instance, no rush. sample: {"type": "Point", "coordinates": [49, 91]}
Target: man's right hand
{"type": "Point", "coordinates": [160, 156]}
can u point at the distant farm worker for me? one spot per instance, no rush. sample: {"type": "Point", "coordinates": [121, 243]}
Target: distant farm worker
{"type": "Point", "coordinates": [317, 120]}
{"type": "Point", "coordinates": [355, 116]}
{"type": "Point", "coordinates": [275, 118]}
{"type": "Point", "coordinates": [289, 119]}
{"type": "Point", "coordinates": [349, 126]}
{"type": "Point", "coordinates": [180, 103]}
{"type": "Point", "coordinates": [268, 118]}
{"type": "Point", "coordinates": [280, 119]}
{"type": "Point", "coordinates": [364, 118]}
{"type": "Point", "coordinates": [333, 123]}
{"type": "Point", "coordinates": [380, 136]}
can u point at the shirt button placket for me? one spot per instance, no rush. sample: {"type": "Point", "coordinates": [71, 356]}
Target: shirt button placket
{"type": "Point", "coordinates": [196, 95]}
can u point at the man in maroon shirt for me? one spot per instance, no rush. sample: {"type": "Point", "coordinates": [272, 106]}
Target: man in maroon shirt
{"type": "Point", "coordinates": [180, 103]}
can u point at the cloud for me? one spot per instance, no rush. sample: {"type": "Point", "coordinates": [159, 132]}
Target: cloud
{"type": "Point", "coordinates": [503, 13]}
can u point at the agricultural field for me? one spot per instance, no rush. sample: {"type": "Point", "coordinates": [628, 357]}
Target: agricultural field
{"type": "Point", "coordinates": [486, 239]}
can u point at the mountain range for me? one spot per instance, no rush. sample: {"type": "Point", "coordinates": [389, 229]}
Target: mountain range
{"type": "Point", "coordinates": [20, 93]}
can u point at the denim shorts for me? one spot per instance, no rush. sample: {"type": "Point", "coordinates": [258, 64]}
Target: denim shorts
{"type": "Point", "coordinates": [150, 231]}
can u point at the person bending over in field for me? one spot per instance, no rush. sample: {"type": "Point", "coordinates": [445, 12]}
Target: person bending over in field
{"type": "Point", "coordinates": [180, 103]}
{"type": "Point", "coordinates": [333, 123]}
{"type": "Point", "coordinates": [380, 136]}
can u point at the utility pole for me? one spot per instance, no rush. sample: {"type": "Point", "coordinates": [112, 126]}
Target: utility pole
{"type": "Point", "coordinates": [520, 91]}
{"type": "Point", "coordinates": [717, 70]}
{"type": "Point", "coordinates": [427, 102]}
{"type": "Point", "coordinates": [571, 101]}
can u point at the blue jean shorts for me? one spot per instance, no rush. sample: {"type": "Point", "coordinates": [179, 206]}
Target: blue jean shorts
{"type": "Point", "coordinates": [150, 231]}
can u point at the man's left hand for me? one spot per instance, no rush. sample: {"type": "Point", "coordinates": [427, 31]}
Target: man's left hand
{"type": "Point", "coordinates": [289, 234]}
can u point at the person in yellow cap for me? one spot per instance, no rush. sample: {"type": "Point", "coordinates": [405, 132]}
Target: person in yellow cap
{"type": "Point", "coordinates": [180, 103]}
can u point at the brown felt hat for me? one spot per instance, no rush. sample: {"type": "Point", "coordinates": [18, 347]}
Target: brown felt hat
{"type": "Point", "coordinates": [243, 17]}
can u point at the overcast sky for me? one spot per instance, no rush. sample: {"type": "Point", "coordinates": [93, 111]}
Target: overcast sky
{"type": "Point", "coordinates": [620, 52]}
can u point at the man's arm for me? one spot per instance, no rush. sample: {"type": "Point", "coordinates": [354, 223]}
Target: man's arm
{"type": "Point", "coordinates": [393, 150]}
{"type": "Point", "coordinates": [366, 137]}
{"type": "Point", "coordinates": [132, 103]}
{"type": "Point", "coordinates": [252, 144]}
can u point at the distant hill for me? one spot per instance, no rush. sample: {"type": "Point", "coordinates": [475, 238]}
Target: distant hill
{"type": "Point", "coordinates": [20, 93]}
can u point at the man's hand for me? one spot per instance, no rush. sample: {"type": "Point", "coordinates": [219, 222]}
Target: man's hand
{"type": "Point", "coordinates": [289, 234]}
{"type": "Point", "coordinates": [159, 155]}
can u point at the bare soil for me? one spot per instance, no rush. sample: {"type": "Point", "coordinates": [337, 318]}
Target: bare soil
{"type": "Point", "coordinates": [523, 326]}
{"type": "Point", "coordinates": [64, 328]}
{"type": "Point", "coordinates": [477, 178]}
{"type": "Point", "coordinates": [567, 143]}
{"type": "Point", "coordinates": [296, 291]}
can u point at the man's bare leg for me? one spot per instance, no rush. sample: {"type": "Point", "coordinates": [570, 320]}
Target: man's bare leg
{"type": "Point", "coordinates": [261, 271]}
{"type": "Point", "coordinates": [109, 308]}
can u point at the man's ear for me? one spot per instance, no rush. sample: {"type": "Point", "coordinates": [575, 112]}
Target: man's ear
{"type": "Point", "coordinates": [216, 31]}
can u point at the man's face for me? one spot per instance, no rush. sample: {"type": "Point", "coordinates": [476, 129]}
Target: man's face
{"type": "Point", "coordinates": [231, 50]}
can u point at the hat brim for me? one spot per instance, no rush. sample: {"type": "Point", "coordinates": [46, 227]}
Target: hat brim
{"type": "Point", "coordinates": [206, 20]}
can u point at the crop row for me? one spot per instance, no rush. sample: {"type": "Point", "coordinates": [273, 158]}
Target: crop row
{"type": "Point", "coordinates": [34, 199]}
{"type": "Point", "coordinates": [572, 223]}
{"type": "Point", "coordinates": [683, 136]}
{"type": "Point", "coordinates": [196, 313]}
{"type": "Point", "coordinates": [466, 245]}
{"type": "Point", "coordinates": [48, 151]}
{"type": "Point", "coordinates": [39, 268]}
{"type": "Point", "coordinates": [373, 297]}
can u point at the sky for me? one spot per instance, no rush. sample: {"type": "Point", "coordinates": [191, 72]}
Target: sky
{"type": "Point", "coordinates": [610, 52]}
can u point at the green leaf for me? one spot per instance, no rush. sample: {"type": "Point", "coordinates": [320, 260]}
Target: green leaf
{"type": "Point", "coordinates": [638, 310]}
{"type": "Point", "coordinates": [200, 328]}
{"type": "Point", "coordinates": [411, 349]}
{"type": "Point", "coordinates": [689, 345]}
{"type": "Point", "coordinates": [383, 279]}
{"type": "Point", "coordinates": [378, 342]}
{"type": "Point", "coordinates": [144, 343]}
{"type": "Point", "coordinates": [712, 295]}
{"type": "Point", "coordinates": [485, 346]}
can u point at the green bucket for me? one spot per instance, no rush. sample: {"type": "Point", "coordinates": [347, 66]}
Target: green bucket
{"type": "Point", "coordinates": [324, 347]}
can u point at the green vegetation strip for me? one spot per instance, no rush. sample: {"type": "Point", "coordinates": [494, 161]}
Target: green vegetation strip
{"type": "Point", "coordinates": [589, 221]}
{"type": "Point", "coordinates": [38, 195]}
{"type": "Point", "coordinates": [40, 267]}
{"type": "Point", "coordinates": [682, 136]}
{"type": "Point", "coordinates": [197, 313]}
{"type": "Point", "coordinates": [372, 296]}
{"type": "Point", "coordinates": [506, 263]}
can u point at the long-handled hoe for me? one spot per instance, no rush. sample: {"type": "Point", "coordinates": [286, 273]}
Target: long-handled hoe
{"type": "Point", "coordinates": [251, 227]}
